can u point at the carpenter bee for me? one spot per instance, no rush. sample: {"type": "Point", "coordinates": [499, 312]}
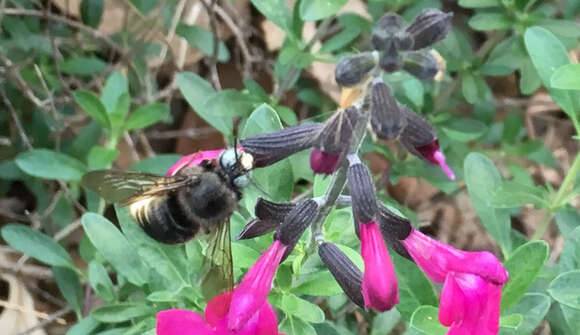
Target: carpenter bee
{"type": "Point", "coordinates": [194, 201]}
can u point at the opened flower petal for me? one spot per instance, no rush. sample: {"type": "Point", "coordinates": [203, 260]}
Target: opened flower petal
{"type": "Point", "coordinates": [194, 159]}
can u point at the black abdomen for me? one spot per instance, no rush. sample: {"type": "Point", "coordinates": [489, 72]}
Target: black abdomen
{"type": "Point", "coordinates": [164, 220]}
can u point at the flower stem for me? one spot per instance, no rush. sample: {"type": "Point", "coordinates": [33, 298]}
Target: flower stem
{"type": "Point", "coordinates": [338, 178]}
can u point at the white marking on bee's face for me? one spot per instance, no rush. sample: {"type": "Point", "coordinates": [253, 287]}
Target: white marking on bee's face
{"type": "Point", "coordinates": [136, 206]}
{"type": "Point", "coordinates": [247, 161]}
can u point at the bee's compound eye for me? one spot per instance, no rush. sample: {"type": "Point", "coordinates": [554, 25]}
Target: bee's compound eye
{"type": "Point", "coordinates": [241, 181]}
{"type": "Point", "coordinates": [228, 158]}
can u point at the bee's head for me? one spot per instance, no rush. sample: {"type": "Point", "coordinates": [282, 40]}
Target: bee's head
{"type": "Point", "coordinates": [237, 165]}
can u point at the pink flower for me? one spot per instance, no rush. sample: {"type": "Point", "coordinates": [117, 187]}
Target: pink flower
{"type": "Point", "coordinates": [379, 284]}
{"type": "Point", "coordinates": [245, 311]}
{"type": "Point", "coordinates": [195, 159]}
{"type": "Point", "coordinates": [186, 322]}
{"type": "Point", "coordinates": [251, 294]}
{"type": "Point", "coordinates": [431, 153]}
{"type": "Point", "coordinates": [322, 162]}
{"type": "Point", "coordinates": [472, 283]}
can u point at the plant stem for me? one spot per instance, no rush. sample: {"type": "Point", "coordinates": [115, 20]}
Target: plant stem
{"type": "Point", "coordinates": [338, 179]}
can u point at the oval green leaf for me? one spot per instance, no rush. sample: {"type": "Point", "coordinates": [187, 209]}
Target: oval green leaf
{"type": "Point", "coordinates": [566, 289]}
{"type": "Point", "coordinates": [48, 164]}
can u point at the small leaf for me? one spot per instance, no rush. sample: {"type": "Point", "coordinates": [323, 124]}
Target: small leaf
{"type": "Point", "coordinates": [566, 289]}
{"type": "Point", "coordinates": [314, 10]}
{"type": "Point", "coordinates": [101, 157]}
{"type": "Point", "coordinates": [91, 12]}
{"type": "Point", "coordinates": [301, 308]}
{"type": "Point", "coordinates": [100, 281]}
{"type": "Point", "coordinates": [196, 91]}
{"type": "Point", "coordinates": [414, 288]}
{"type": "Point", "coordinates": [276, 11]}
{"type": "Point", "coordinates": [474, 88]}
{"type": "Point", "coordinates": [82, 66]}
{"type": "Point", "coordinates": [145, 116]}
{"type": "Point", "coordinates": [533, 307]}
{"type": "Point", "coordinates": [566, 77]}
{"type": "Point", "coordinates": [36, 245]}
{"type": "Point", "coordinates": [113, 246]}
{"type": "Point", "coordinates": [84, 326]}
{"type": "Point", "coordinates": [425, 319]}
{"type": "Point", "coordinates": [490, 21]}
{"type": "Point", "coordinates": [115, 86]}
{"type": "Point", "coordinates": [479, 3]}
{"type": "Point", "coordinates": [121, 312]}
{"type": "Point", "coordinates": [70, 286]}
{"type": "Point", "coordinates": [511, 321]}
{"type": "Point", "coordinates": [464, 129]}
{"type": "Point", "coordinates": [91, 105]}
{"type": "Point", "coordinates": [48, 164]}
{"type": "Point", "coordinates": [523, 266]}
{"type": "Point", "coordinates": [481, 177]}
{"type": "Point", "coordinates": [511, 194]}
{"type": "Point", "coordinates": [203, 39]}
{"type": "Point", "coordinates": [295, 326]}
{"type": "Point", "coordinates": [319, 284]}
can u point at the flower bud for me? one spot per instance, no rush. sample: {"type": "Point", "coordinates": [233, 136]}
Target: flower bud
{"type": "Point", "coordinates": [345, 272]}
{"type": "Point", "coordinates": [431, 26]}
{"type": "Point", "coordinates": [389, 31]}
{"type": "Point", "coordinates": [391, 61]}
{"type": "Point", "coordinates": [272, 147]}
{"type": "Point", "coordinates": [352, 70]}
{"type": "Point", "coordinates": [386, 119]}
{"type": "Point", "coordinates": [420, 139]}
{"type": "Point", "coordinates": [362, 192]}
{"type": "Point", "coordinates": [394, 229]}
{"type": "Point", "coordinates": [333, 141]}
{"type": "Point", "coordinates": [269, 216]}
{"type": "Point", "coordinates": [420, 64]}
{"type": "Point", "coordinates": [295, 223]}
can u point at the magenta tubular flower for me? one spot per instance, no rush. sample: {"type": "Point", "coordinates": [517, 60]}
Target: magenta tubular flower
{"type": "Point", "coordinates": [185, 322]}
{"type": "Point", "coordinates": [195, 159]}
{"type": "Point", "coordinates": [251, 294]}
{"type": "Point", "coordinates": [472, 283]}
{"type": "Point", "coordinates": [379, 285]}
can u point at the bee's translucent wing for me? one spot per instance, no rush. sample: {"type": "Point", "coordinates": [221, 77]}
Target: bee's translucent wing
{"type": "Point", "coordinates": [126, 187]}
{"type": "Point", "coordinates": [220, 274]}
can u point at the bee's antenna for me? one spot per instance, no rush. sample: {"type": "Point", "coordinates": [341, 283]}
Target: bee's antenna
{"type": "Point", "coordinates": [235, 129]}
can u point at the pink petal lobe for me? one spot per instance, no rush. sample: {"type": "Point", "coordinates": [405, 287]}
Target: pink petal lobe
{"type": "Point", "coordinates": [217, 308]}
{"type": "Point", "coordinates": [322, 162]}
{"type": "Point", "coordinates": [379, 285]}
{"type": "Point", "coordinates": [194, 159]}
{"type": "Point", "coordinates": [452, 306]}
{"type": "Point", "coordinates": [181, 322]}
{"type": "Point", "coordinates": [250, 295]}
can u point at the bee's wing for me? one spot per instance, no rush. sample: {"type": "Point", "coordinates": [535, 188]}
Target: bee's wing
{"type": "Point", "coordinates": [220, 274]}
{"type": "Point", "coordinates": [126, 187]}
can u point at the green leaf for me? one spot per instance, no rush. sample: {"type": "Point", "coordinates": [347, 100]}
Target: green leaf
{"type": "Point", "coordinates": [101, 158]}
{"type": "Point", "coordinates": [196, 91]}
{"type": "Point", "coordinates": [121, 312]}
{"type": "Point", "coordinates": [10, 171]}
{"type": "Point", "coordinates": [425, 320]}
{"type": "Point", "coordinates": [84, 326]}
{"type": "Point", "coordinates": [91, 12]}
{"type": "Point", "coordinates": [82, 66]}
{"type": "Point", "coordinates": [70, 286]}
{"type": "Point", "coordinates": [203, 39]}
{"type": "Point", "coordinates": [474, 88]}
{"type": "Point", "coordinates": [221, 108]}
{"type": "Point", "coordinates": [276, 11]}
{"type": "Point", "coordinates": [490, 21]}
{"type": "Point", "coordinates": [91, 105]}
{"type": "Point", "coordinates": [567, 220]}
{"type": "Point", "coordinates": [479, 3]}
{"type": "Point", "coordinates": [115, 86]}
{"type": "Point", "coordinates": [566, 289]}
{"type": "Point", "coordinates": [100, 281]}
{"type": "Point", "coordinates": [145, 116]}
{"type": "Point", "coordinates": [118, 115]}
{"type": "Point", "coordinates": [48, 164]}
{"type": "Point", "coordinates": [157, 259]}
{"type": "Point", "coordinates": [301, 308]}
{"type": "Point", "coordinates": [385, 322]}
{"type": "Point", "coordinates": [320, 284]}
{"type": "Point", "coordinates": [523, 266]}
{"type": "Point", "coordinates": [36, 245]}
{"type": "Point", "coordinates": [548, 54]}
{"type": "Point", "coordinates": [296, 326]}
{"type": "Point", "coordinates": [511, 321]}
{"type": "Point", "coordinates": [511, 194]}
{"type": "Point", "coordinates": [414, 287]}
{"type": "Point", "coordinates": [566, 77]}
{"type": "Point", "coordinates": [313, 10]}
{"type": "Point", "coordinates": [533, 307]}
{"type": "Point", "coordinates": [481, 178]}
{"type": "Point", "coordinates": [113, 246]}
{"type": "Point", "coordinates": [464, 129]}
{"type": "Point", "coordinates": [244, 256]}
{"type": "Point", "coordinates": [340, 40]}
{"type": "Point", "coordinates": [157, 165]}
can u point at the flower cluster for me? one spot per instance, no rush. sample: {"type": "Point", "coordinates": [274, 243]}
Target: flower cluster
{"type": "Point", "coordinates": [472, 281]}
